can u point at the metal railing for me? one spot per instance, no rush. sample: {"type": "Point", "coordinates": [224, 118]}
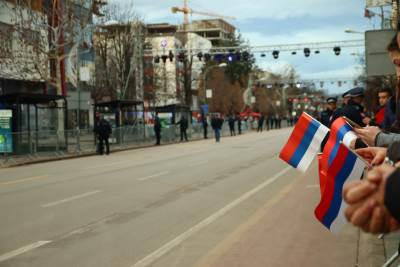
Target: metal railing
{"type": "Point", "coordinates": [37, 145]}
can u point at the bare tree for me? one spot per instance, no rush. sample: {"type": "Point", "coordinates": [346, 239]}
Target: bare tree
{"type": "Point", "coordinates": [42, 39]}
{"type": "Point", "coordinates": [119, 41]}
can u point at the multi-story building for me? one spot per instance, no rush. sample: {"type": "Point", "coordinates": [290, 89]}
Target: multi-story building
{"type": "Point", "coordinates": [164, 69]}
{"type": "Point", "coordinates": [217, 31]}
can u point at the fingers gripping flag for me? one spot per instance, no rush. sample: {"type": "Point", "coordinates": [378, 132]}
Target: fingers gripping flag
{"type": "Point", "coordinates": [304, 142]}
{"type": "Point", "coordinates": [345, 166]}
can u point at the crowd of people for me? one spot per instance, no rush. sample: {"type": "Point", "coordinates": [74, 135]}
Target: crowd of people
{"type": "Point", "coordinates": [373, 202]}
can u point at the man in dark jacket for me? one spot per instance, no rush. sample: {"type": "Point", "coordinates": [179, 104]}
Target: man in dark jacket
{"type": "Point", "coordinates": [326, 115]}
{"type": "Point", "coordinates": [260, 123]}
{"type": "Point", "coordinates": [205, 126]}
{"type": "Point", "coordinates": [183, 126]}
{"type": "Point", "coordinates": [231, 122]}
{"type": "Point", "coordinates": [239, 121]}
{"type": "Point", "coordinates": [353, 110]}
{"type": "Point", "coordinates": [103, 131]}
{"type": "Point", "coordinates": [216, 124]}
{"type": "Point", "coordinates": [157, 129]}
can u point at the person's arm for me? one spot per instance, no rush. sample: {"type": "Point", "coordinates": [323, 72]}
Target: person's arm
{"type": "Point", "coordinates": [386, 139]}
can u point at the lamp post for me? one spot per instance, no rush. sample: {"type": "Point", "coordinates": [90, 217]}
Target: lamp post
{"type": "Point", "coordinates": [349, 30]}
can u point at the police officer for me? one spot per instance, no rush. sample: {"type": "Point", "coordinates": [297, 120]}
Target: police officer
{"type": "Point", "coordinates": [326, 115]}
{"type": "Point", "coordinates": [353, 109]}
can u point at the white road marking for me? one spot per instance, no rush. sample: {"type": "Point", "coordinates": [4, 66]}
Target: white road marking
{"type": "Point", "coordinates": [19, 251]}
{"type": "Point", "coordinates": [312, 186]}
{"type": "Point", "coordinates": [107, 165]}
{"type": "Point", "coordinates": [153, 176]}
{"type": "Point", "coordinates": [25, 180]}
{"type": "Point", "coordinates": [198, 163]}
{"type": "Point", "coordinates": [62, 201]}
{"type": "Point", "coordinates": [151, 258]}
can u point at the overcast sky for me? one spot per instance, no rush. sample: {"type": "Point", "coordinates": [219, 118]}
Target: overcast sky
{"type": "Point", "coordinates": [270, 22]}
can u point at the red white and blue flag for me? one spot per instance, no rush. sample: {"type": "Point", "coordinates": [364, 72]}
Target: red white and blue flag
{"type": "Point", "coordinates": [345, 166]}
{"type": "Point", "coordinates": [340, 132]}
{"type": "Point", "coordinates": [304, 142]}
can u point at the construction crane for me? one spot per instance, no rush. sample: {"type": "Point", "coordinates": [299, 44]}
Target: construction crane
{"type": "Point", "coordinates": [186, 10]}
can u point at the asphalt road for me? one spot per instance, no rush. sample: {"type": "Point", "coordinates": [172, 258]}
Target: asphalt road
{"type": "Point", "coordinates": [191, 204]}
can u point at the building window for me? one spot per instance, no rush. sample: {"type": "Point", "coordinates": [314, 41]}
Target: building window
{"type": "Point", "coordinates": [5, 40]}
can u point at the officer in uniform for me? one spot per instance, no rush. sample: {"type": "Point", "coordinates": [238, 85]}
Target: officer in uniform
{"type": "Point", "coordinates": [326, 115]}
{"type": "Point", "coordinates": [353, 109]}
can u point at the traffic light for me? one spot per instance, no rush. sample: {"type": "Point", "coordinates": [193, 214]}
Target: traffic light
{"type": "Point", "coordinates": [199, 56]}
{"type": "Point", "coordinates": [157, 59]}
{"type": "Point", "coordinates": [337, 50]}
{"type": "Point", "coordinates": [275, 54]}
{"type": "Point", "coordinates": [307, 52]}
{"type": "Point", "coordinates": [181, 57]}
{"type": "Point", "coordinates": [171, 56]}
{"type": "Point", "coordinates": [219, 57]}
{"type": "Point", "coordinates": [164, 58]}
{"type": "Point", "coordinates": [245, 56]}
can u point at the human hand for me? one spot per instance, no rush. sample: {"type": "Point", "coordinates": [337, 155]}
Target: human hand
{"type": "Point", "coordinates": [374, 155]}
{"type": "Point", "coordinates": [368, 134]}
{"type": "Point", "coordinates": [365, 200]}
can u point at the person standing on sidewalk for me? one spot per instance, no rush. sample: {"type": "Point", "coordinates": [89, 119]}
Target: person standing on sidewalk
{"type": "Point", "coordinates": [103, 131]}
{"type": "Point", "coordinates": [205, 126]}
{"type": "Point", "coordinates": [231, 122]}
{"type": "Point", "coordinates": [239, 120]}
{"type": "Point", "coordinates": [183, 125]}
{"type": "Point", "coordinates": [216, 124]}
{"type": "Point", "coordinates": [260, 123]}
{"type": "Point", "coordinates": [157, 129]}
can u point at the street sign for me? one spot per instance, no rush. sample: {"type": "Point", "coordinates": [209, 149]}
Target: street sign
{"type": "Point", "coordinates": [5, 131]}
{"type": "Point", "coordinates": [164, 43]}
{"type": "Point", "coordinates": [209, 93]}
{"type": "Point", "coordinates": [377, 57]}
{"type": "Point", "coordinates": [84, 74]}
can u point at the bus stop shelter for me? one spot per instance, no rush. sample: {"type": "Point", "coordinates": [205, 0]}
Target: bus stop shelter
{"type": "Point", "coordinates": [35, 122]}
{"type": "Point", "coordinates": [121, 112]}
{"type": "Point", "coordinates": [175, 110]}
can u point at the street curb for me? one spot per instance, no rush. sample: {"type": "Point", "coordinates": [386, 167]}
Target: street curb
{"type": "Point", "coordinates": [91, 154]}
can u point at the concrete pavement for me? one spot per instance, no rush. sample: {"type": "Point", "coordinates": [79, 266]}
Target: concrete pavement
{"type": "Point", "coordinates": [191, 204]}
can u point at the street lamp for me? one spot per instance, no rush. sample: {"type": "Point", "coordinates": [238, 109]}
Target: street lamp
{"type": "Point", "coordinates": [349, 30]}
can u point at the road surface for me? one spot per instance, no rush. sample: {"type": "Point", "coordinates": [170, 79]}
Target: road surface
{"type": "Point", "coordinates": [190, 204]}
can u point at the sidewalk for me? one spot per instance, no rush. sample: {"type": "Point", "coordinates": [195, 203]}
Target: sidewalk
{"type": "Point", "coordinates": [286, 233]}
{"type": "Point", "coordinates": [89, 150]}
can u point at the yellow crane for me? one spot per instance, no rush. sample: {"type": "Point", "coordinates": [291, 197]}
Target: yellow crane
{"type": "Point", "coordinates": [186, 10]}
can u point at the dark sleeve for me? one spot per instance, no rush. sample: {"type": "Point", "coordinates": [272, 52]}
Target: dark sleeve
{"type": "Point", "coordinates": [360, 144]}
{"type": "Point", "coordinates": [393, 152]}
{"type": "Point", "coordinates": [392, 194]}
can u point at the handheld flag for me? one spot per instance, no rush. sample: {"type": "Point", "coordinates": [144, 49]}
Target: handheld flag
{"type": "Point", "coordinates": [340, 132]}
{"type": "Point", "coordinates": [345, 166]}
{"type": "Point", "coordinates": [322, 174]}
{"type": "Point", "coordinates": [304, 142]}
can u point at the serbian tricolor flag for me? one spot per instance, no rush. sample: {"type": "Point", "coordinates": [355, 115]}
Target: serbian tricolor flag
{"type": "Point", "coordinates": [345, 166]}
{"type": "Point", "coordinates": [340, 132]}
{"type": "Point", "coordinates": [304, 142]}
